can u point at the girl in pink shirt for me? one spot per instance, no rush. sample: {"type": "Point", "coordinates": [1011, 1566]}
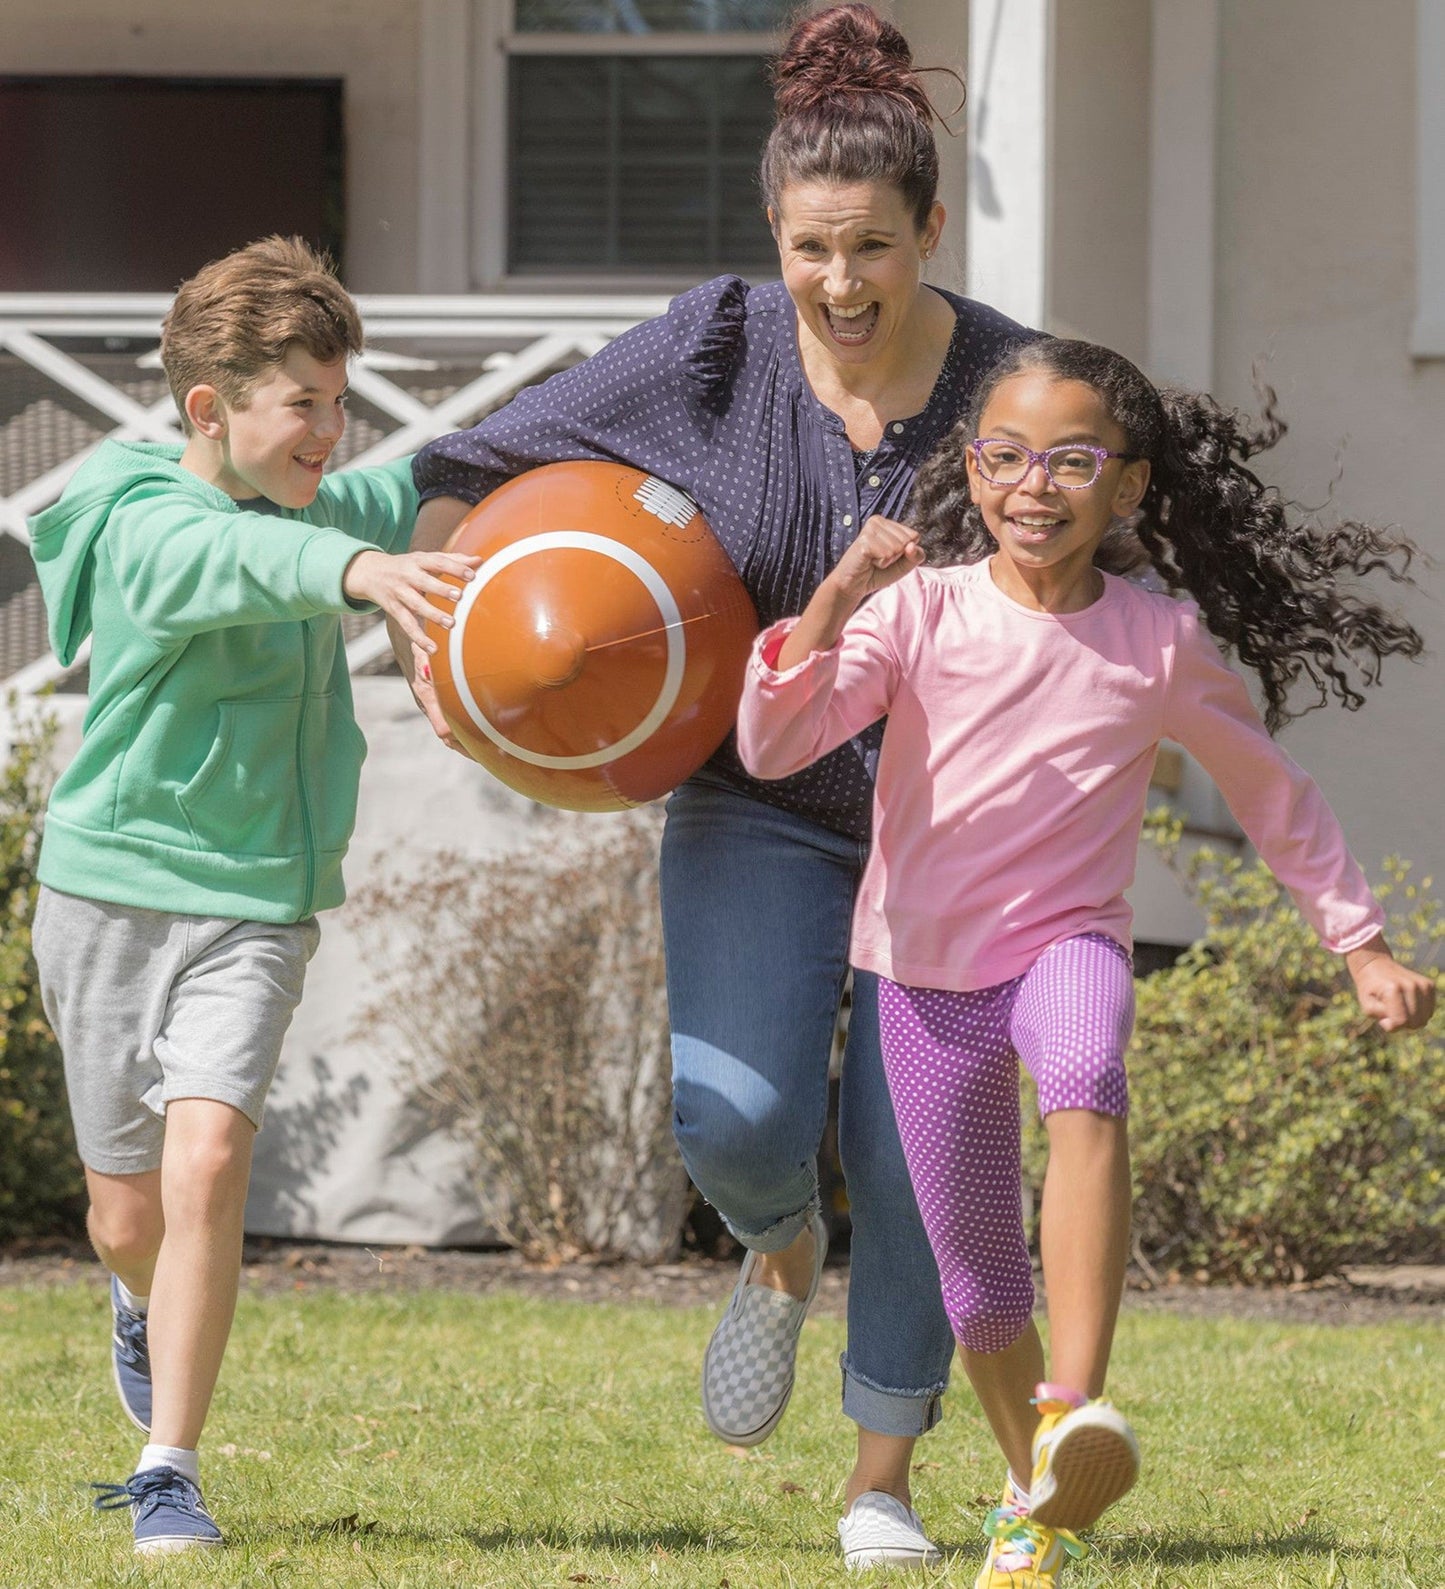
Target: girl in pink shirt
{"type": "Point", "coordinates": [1026, 690]}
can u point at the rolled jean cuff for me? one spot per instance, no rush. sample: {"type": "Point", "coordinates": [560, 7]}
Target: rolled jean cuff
{"type": "Point", "coordinates": [781, 1233]}
{"type": "Point", "coordinates": [890, 1412]}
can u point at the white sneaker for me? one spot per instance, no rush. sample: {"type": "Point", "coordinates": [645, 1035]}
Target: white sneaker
{"type": "Point", "coordinates": [880, 1531]}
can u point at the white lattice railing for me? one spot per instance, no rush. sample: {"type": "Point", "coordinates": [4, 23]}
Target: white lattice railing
{"type": "Point", "coordinates": [512, 339]}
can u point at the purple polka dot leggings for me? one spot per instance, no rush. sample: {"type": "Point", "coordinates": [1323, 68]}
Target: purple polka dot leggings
{"type": "Point", "coordinates": [952, 1065]}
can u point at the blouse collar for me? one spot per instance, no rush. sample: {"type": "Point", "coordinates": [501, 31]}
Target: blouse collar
{"type": "Point", "coordinates": [894, 430]}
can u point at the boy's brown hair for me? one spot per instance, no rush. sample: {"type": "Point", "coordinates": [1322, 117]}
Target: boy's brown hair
{"type": "Point", "coordinates": [234, 320]}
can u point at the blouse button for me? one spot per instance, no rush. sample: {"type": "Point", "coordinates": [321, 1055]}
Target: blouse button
{"type": "Point", "coordinates": [897, 427]}
{"type": "Point", "coordinates": [873, 480]}
{"type": "Point", "coordinates": [847, 520]}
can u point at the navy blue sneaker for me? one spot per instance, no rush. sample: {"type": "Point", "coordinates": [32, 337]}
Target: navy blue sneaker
{"type": "Point", "coordinates": [167, 1511]}
{"type": "Point", "coordinates": [130, 1358]}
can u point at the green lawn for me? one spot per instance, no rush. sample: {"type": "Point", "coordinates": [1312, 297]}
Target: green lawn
{"type": "Point", "coordinates": [454, 1440]}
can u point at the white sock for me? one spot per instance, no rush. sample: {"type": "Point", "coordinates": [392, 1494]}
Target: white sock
{"type": "Point", "coordinates": [177, 1457]}
{"type": "Point", "coordinates": [1021, 1491]}
{"type": "Point", "coordinates": [128, 1298]}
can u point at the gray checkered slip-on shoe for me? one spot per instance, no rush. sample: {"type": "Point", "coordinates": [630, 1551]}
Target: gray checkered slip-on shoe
{"type": "Point", "coordinates": [878, 1530]}
{"type": "Point", "coordinates": [747, 1373]}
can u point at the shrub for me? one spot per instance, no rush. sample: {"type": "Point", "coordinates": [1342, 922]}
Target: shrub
{"type": "Point", "coordinates": [532, 1016]}
{"type": "Point", "coordinates": [41, 1183]}
{"type": "Point", "coordinates": [1277, 1133]}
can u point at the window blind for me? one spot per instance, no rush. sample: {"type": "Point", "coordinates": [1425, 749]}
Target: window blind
{"type": "Point", "coordinates": [637, 162]}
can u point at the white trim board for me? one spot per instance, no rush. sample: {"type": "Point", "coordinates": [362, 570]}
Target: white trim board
{"type": "Point", "coordinates": [1183, 201]}
{"type": "Point", "coordinates": [1427, 334]}
{"type": "Point", "coordinates": [1010, 128]}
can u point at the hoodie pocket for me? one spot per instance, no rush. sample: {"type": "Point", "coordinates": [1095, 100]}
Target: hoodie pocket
{"type": "Point", "coordinates": [244, 798]}
{"type": "Point", "coordinates": [333, 770]}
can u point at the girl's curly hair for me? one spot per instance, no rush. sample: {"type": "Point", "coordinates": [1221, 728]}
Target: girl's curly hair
{"type": "Point", "coordinates": [1271, 586]}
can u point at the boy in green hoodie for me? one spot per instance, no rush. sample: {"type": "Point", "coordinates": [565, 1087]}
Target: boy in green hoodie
{"type": "Point", "coordinates": [202, 823]}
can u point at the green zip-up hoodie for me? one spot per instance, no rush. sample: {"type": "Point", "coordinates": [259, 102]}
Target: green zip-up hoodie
{"type": "Point", "coordinates": [218, 768]}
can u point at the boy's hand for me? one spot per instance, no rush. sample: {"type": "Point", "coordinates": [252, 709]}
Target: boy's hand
{"type": "Point", "coordinates": [1396, 996]}
{"type": "Point", "coordinates": [400, 584]}
{"type": "Point", "coordinates": [883, 553]}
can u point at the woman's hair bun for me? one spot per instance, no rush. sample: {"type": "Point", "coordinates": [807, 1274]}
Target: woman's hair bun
{"type": "Point", "coordinates": [851, 108]}
{"type": "Point", "coordinates": [843, 52]}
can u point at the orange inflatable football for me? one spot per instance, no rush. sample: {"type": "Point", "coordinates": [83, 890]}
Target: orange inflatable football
{"type": "Point", "coordinates": [597, 656]}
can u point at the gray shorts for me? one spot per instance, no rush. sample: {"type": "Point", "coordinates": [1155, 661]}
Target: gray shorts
{"type": "Point", "coordinates": [150, 1006]}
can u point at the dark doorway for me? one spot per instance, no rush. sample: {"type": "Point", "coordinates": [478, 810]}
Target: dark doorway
{"type": "Point", "coordinates": [130, 184]}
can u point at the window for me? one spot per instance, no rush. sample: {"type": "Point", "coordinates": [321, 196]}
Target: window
{"type": "Point", "coordinates": [633, 132]}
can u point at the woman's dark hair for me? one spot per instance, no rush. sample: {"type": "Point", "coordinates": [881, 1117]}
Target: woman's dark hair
{"type": "Point", "coordinates": [851, 108]}
{"type": "Point", "coordinates": [1271, 585]}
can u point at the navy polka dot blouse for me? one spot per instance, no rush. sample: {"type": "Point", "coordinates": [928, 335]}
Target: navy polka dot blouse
{"type": "Point", "coordinates": [712, 398]}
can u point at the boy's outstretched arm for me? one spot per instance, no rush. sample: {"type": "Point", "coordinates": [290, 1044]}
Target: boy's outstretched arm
{"type": "Point", "coordinates": [1397, 997]}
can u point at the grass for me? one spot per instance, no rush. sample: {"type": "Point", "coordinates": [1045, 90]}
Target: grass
{"type": "Point", "coordinates": [435, 1439]}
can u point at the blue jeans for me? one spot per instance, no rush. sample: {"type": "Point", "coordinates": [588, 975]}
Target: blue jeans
{"type": "Point", "coordinates": [756, 909]}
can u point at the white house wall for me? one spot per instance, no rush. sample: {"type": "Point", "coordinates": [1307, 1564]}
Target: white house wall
{"type": "Point", "coordinates": [1098, 261]}
{"type": "Point", "coordinates": [1305, 200]}
{"type": "Point", "coordinates": [939, 36]}
{"type": "Point", "coordinates": [1316, 284]}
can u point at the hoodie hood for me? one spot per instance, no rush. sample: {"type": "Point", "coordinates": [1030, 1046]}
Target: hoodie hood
{"type": "Point", "coordinates": [63, 537]}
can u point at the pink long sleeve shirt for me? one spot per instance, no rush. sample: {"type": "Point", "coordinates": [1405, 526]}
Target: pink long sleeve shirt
{"type": "Point", "coordinates": [1015, 768]}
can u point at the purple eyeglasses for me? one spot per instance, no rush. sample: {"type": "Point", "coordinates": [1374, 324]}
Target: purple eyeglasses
{"type": "Point", "coordinates": [1074, 467]}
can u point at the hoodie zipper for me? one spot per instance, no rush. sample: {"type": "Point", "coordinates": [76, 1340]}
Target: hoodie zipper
{"type": "Point", "coordinates": [308, 832]}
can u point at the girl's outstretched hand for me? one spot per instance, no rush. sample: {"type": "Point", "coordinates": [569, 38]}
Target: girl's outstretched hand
{"type": "Point", "coordinates": [1397, 997]}
{"type": "Point", "coordinates": [400, 584]}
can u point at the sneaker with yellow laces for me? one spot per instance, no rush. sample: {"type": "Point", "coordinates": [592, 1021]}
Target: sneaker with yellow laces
{"type": "Point", "coordinates": [1023, 1553]}
{"type": "Point", "coordinates": [1085, 1457]}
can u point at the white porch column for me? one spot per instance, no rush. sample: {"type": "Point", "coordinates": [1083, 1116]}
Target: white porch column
{"type": "Point", "coordinates": [1184, 118]}
{"type": "Point", "coordinates": [444, 146]}
{"type": "Point", "coordinates": [1009, 124]}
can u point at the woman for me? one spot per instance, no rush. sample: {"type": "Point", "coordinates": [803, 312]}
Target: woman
{"type": "Point", "coordinates": [791, 413]}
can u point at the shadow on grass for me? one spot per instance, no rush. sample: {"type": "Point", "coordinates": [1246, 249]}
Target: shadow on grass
{"type": "Point", "coordinates": [1189, 1550]}
{"type": "Point", "coordinates": [666, 1536]}
{"type": "Point", "coordinates": [680, 1539]}
{"type": "Point", "coordinates": [675, 1537]}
